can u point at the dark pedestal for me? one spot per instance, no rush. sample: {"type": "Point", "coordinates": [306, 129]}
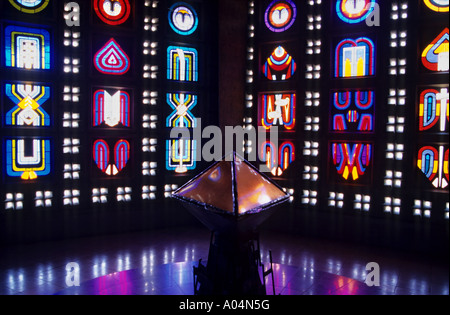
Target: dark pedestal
{"type": "Point", "coordinates": [234, 267]}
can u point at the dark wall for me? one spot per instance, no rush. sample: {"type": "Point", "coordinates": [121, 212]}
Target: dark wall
{"type": "Point", "coordinates": [61, 224]}
{"type": "Point", "coordinates": [232, 61]}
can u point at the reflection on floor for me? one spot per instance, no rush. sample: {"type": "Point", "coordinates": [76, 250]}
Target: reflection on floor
{"type": "Point", "coordinates": [161, 262]}
{"type": "Point", "coordinates": [177, 279]}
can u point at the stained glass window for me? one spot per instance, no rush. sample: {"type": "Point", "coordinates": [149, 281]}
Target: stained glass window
{"type": "Point", "coordinates": [279, 159]}
{"type": "Point", "coordinates": [433, 162]}
{"type": "Point", "coordinates": [30, 6]}
{"type": "Point", "coordinates": [435, 57]}
{"type": "Point", "coordinates": [279, 66]}
{"type": "Point", "coordinates": [183, 60]}
{"type": "Point", "coordinates": [182, 105]}
{"type": "Point", "coordinates": [432, 106]}
{"type": "Point", "coordinates": [280, 15]}
{"type": "Point", "coordinates": [72, 133]}
{"type": "Point", "coordinates": [112, 111]}
{"type": "Point", "coordinates": [29, 103]}
{"type": "Point", "coordinates": [181, 155]}
{"type": "Point", "coordinates": [353, 111]}
{"type": "Point", "coordinates": [355, 58]}
{"type": "Point", "coordinates": [113, 12]}
{"type": "Point", "coordinates": [182, 64]}
{"type": "Point", "coordinates": [111, 108]}
{"type": "Point", "coordinates": [352, 160]}
{"type": "Point", "coordinates": [278, 110]}
{"type": "Point", "coordinates": [183, 18]}
{"type": "Point", "coordinates": [362, 112]}
{"type": "Point", "coordinates": [354, 11]}
{"type": "Point", "coordinates": [433, 110]}
{"type": "Point", "coordinates": [276, 100]}
{"type": "Point", "coordinates": [437, 5]}
{"type": "Point", "coordinates": [28, 158]}
{"type": "Point", "coordinates": [433, 119]}
{"type": "Point", "coordinates": [27, 48]}
{"type": "Point", "coordinates": [112, 59]}
{"type": "Point", "coordinates": [111, 165]}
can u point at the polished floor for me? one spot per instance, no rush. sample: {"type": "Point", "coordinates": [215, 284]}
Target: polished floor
{"type": "Point", "coordinates": [161, 263]}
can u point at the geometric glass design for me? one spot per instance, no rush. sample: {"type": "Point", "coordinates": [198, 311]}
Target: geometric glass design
{"type": "Point", "coordinates": [28, 101]}
{"type": "Point", "coordinates": [111, 109]}
{"type": "Point", "coordinates": [29, 6]}
{"type": "Point", "coordinates": [355, 58]}
{"type": "Point", "coordinates": [433, 162]}
{"type": "Point", "coordinates": [354, 11]}
{"type": "Point", "coordinates": [353, 111]}
{"type": "Point", "coordinates": [112, 12]}
{"type": "Point", "coordinates": [279, 159]}
{"type": "Point", "coordinates": [112, 59]}
{"type": "Point", "coordinates": [278, 110]}
{"type": "Point", "coordinates": [279, 66]}
{"type": "Point", "coordinates": [101, 155]}
{"type": "Point", "coordinates": [181, 155]}
{"type": "Point", "coordinates": [28, 158]}
{"type": "Point", "coordinates": [183, 19]}
{"type": "Point", "coordinates": [436, 56]}
{"type": "Point", "coordinates": [280, 15]}
{"type": "Point", "coordinates": [437, 5]}
{"type": "Point", "coordinates": [27, 48]}
{"type": "Point", "coordinates": [182, 64]}
{"type": "Point", "coordinates": [351, 159]}
{"type": "Point", "coordinates": [433, 110]}
{"type": "Point", "coordinates": [182, 104]}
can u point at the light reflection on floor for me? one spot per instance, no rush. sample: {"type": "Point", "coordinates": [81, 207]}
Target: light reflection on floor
{"type": "Point", "coordinates": [161, 263]}
{"type": "Point", "coordinates": [177, 279]}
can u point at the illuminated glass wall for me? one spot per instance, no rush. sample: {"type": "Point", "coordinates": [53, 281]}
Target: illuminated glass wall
{"type": "Point", "coordinates": [431, 92]}
{"type": "Point", "coordinates": [186, 87]}
{"type": "Point", "coordinates": [354, 86]}
{"type": "Point", "coordinates": [273, 85]}
{"type": "Point", "coordinates": [29, 106]}
{"type": "Point", "coordinates": [92, 89]}
{"type": "Point", "coordinates": [90, 92]}
{"type": "Point", "coordinates": [359, 92]}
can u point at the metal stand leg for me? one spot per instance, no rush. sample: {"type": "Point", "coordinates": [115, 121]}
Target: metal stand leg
{"type": "Point", "coordinates": [270, 271]}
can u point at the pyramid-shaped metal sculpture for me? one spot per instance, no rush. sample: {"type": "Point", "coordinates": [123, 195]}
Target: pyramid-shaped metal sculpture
{"type": "Point", "coordinates": [233, 199]}
{"type": "Point", "coordinates": [230, 195]}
